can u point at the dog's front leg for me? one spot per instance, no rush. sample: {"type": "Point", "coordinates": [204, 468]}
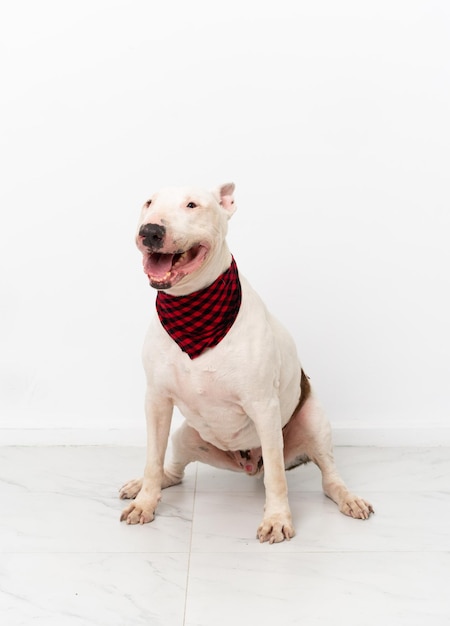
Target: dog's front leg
{"type": "Point", "coordinates": [159, 416]}
{"type": "Point", "coordinates": [277, 524]}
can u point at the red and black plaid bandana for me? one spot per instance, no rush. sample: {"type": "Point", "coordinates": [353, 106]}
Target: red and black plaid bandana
{"type": "Point", "coordinates": [201, 319]}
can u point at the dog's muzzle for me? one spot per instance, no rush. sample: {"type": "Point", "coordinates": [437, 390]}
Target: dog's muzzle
{"type": "Point", "coordinates": [152, 236]}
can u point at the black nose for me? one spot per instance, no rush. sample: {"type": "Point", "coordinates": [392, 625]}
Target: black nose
{"type": "Point", "coordinates": [153, 235]}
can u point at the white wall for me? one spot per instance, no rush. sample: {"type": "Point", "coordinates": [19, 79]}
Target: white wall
{"type": "Point", "coordinates": [331, 117]}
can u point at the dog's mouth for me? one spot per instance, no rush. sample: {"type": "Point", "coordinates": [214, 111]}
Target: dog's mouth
{"type": "Point", "coordinates": [164, 270]}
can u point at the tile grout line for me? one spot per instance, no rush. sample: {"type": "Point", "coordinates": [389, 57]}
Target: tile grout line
{"type": "Point", "coordinates": [190, 546]}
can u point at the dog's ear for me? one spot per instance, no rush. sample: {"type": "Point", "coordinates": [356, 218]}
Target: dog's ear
{"type": "Point", "coordinates": [224, 196]}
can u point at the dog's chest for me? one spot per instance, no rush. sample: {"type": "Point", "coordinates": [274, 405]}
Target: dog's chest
{"type": "Point", "coordinates": [211, 403]}
{"type": "Point", "coordinates": [255, 363]}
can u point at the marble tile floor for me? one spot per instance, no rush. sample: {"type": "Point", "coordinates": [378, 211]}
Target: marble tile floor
{"type": "Point", "coordinates": [66, 560]}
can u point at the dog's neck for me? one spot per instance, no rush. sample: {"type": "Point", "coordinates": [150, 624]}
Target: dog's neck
{"type": "Point", "coordinates": [201, 319]}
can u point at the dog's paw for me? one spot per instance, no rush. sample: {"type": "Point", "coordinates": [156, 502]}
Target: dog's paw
{"type": "Point", "coordinates": [275, 528]}
{"type": "Point", "coordinates": [138, 512]}
{"type": "Point", "coordinates": [356, 507]}
{"type": "Point", "coordinates": [130, 489]}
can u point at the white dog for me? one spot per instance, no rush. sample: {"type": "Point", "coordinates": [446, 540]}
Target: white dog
{"type": "Point", "coordinates": [214, 351]}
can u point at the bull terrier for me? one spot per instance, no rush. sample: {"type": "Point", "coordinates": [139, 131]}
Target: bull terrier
{"type": "Point", "coordinates": [214, 351]}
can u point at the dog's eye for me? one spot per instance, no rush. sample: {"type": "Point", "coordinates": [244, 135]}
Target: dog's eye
{"type": "Point", "coordinates": [191, 205]}
{"type": "Point", "coordinates": [148, 203]}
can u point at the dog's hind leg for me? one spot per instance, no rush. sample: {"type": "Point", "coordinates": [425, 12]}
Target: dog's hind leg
{"type": "Point", "coordinates": [308, 437]}
{"type": "Point", "coordinates": [133, 487]}
{"type": "Point", "coordinates": [187, 447]}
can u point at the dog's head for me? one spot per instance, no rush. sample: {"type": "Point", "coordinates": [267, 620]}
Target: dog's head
{"type": "Point", "coordinates": [181, 235]}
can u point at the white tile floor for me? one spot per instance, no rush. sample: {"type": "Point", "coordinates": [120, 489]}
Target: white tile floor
{"type": "Point", "coordinates": [66, 559]}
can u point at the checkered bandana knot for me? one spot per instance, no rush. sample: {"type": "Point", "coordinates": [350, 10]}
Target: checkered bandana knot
{"type": "Point", "coordinates": [201, 319]}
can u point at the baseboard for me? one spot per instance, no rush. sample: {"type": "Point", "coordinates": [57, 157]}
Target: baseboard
{"type": "Point", "coordinates": [393, 437]}
{"type": "Point", "coordinates": [412, 436]}
{"type": "Point", "coordinates": [72, 437]}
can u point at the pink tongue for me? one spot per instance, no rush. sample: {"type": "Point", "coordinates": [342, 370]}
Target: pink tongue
{"type": "Point", "coordinates": [158, 264]}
